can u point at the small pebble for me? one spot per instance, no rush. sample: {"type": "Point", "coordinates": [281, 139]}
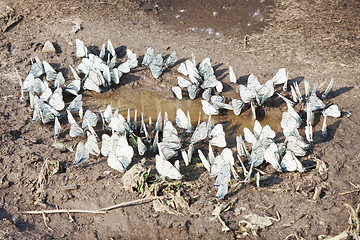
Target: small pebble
{"type": "Point", "coordinates": [48, 47]}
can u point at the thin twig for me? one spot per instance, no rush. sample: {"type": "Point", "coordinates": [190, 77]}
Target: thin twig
{"type": "Point", "coordinates": [357, 189]}
{"type": "Point", "coordinates": [96, 211]}
{"type": "Point", "coordinates": [138, 201]}
{"type": "Point", "coordinates": [63, 211]}
{"type": "Point", "coordinates": [348, 192]}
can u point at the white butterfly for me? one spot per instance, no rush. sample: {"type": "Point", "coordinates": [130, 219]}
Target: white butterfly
{"type": "Point", "coordinates": [257, 154]}
{"type": "Point", "coordinates": [241, 147]}
{"type": "Point", "coordinates": [290, 163]}
{"type": "Point", "coordinates": [108, 114]}
{"type": "Point", "coordinates": [200, 133]}
{"type": "Point", "coordinates": [119, 124]}
{"type": "Point", "coordinates": [171, 60]}
{"type": "Point", "coordinates": [132, 60]}
{"type": "Point", "coordinates": [188, 156]}
{"type": "Point", "coordinates": [143, 128]}
{"type": "Point", "coordinates": [237, 105]}
{"type": "Point", "coordinates": [332, 111]}
{"type": "Point", "coordinates": [281, 77]}
{"type": "Point", "coordinates": [182, 69]}
{"type": "Point", "coordinates": [156, 66]}
{"type": "Point", "coordinates": [108, 144]}
{"type": "Point", "coordinates": [289, 124]}
{"type": "Point", "coordinates": [21, 86]}
{"type": "Point", "coordinates": [192, 71]}
{"type": "Point", "coordinates": [141, 147]}
{"type": "Point", "coordinates": [183, 83]}
{"type": "Point", "coordinates": [232, 75]}
{"type": "Point", "coordinates": [49, 70]}
{"type": "Point", "coordinates": [165, 168]}
{"type": "Point", "coordinates": [91, 82]}
{"type": "Point", "coordinates": [32, 84]}
{"type": "Point", "coordinates": [158, 124]}
{"type": "Point", "coordinates": [81, 49]}
{"type": "Point", "coordinates": [217, 136]}
{"type": "Point", "coordinates": [36, 68]}
{"type": "Point", "coordinates": [111, 48]}
{"type": "Point", "coordinates": [56, 127]}
{"type": "Point", "coordinates": [171, 142]}
{"type": "Point", "coordinates": [192, 90]}
{"type": "Point", "coordinates": [148, 57]}
{"type": "Point", "coordinates": [204, 161]}
{"type": "Point", "coordinates": [222, 181]}
{"type": "Point", "coordinates": [75, 104]}
{"type": "Point", "coordinates": [123, 155]}
{"type": "Point", "coordinates": [71, 119]}
{"type": "Point", "coordinates": [315, 103]}
{"type": "Point", "coordinates": [76, 130]}
{"type": "Point", "coordinates": [56, 100]}
{"type": "Point", "coordinates": [182, 121]}
{"type": "Point", "coordinates": [107, 77]}
{"type": "Point", "coordinates": [328, 89]}
{"type": "Point", "coordinates": [102, 51]}
{"type": "Point", "coordinates": [260, 133]}
{"type": "Point", "coordinates": [124, 67]}
{"type": "Point", "coordinates": [307, 88]}
{"type": "Point", "coordinates": [297, 91]}
{"type": "Point", "coordinates": [45, 95]}
{"type": "Point", "coordinates": [209, 109]}
{"type": "Point", "coordinates": [206, 94]}
{"type": "Point", "coordinates": [272, 156]}
{"type": "Point", "coordinates": [263, 92]}
{"type": "Point", "coordinates": [81, 154]}
{"type": "Point", "coordinates": [177, 91]}
{"type": "Point", "coordinates": [309, 133]}
{"type": "Point", "coordinates": [92, 145]}
{"type": "Point", "coordinates": [59, 80]}
{"type": "Point", "coordinates": [201, 67]}
{"type": "Point", "coordinates": [220, 168]}
{"type": "Point", "coordinates": [293, 94]}
{"type": "Point", "coordinates": [92, 117]}
{"type": "Point", "coordinates": [73, 87]}
{"type": "Point", "coordinates": [296, 145]}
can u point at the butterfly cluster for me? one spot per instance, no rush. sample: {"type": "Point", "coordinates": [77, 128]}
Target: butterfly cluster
{"type": "Point", "coordinates": [173, 146]}
{"type": "Point", "coordinates": [156, 64]}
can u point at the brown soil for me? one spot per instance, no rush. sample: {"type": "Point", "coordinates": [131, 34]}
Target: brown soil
{"type": "Point", "coordinates": [315, 40]}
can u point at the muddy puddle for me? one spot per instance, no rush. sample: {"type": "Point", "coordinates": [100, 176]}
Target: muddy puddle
{"type": "Point", "coordinates": [212, 17]}
{"type": "Point", "coordinates": [151, 103]}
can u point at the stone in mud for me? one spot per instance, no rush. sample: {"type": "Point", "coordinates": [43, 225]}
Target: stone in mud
{"type": "Point", "coordinates": [48, 47]}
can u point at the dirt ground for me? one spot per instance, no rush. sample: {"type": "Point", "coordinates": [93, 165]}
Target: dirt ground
{"type": "Point", "coordinates": [314, 40]}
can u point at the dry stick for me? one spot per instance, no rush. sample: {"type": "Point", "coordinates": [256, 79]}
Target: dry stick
{"type": "Point", "coordinates": [129, 203]}
{"type": "Point", "coordinates": [63, 211]}
{"type": "Point", "coordinates": [103, 210]}
{"type": "Point", "coordinates": [357, 189]}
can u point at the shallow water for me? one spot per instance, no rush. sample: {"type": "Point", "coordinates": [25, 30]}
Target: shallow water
{"type": "Point", "coordinates": [214, 17]}
{"type": "Point", "coordinates": [151, 103]}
